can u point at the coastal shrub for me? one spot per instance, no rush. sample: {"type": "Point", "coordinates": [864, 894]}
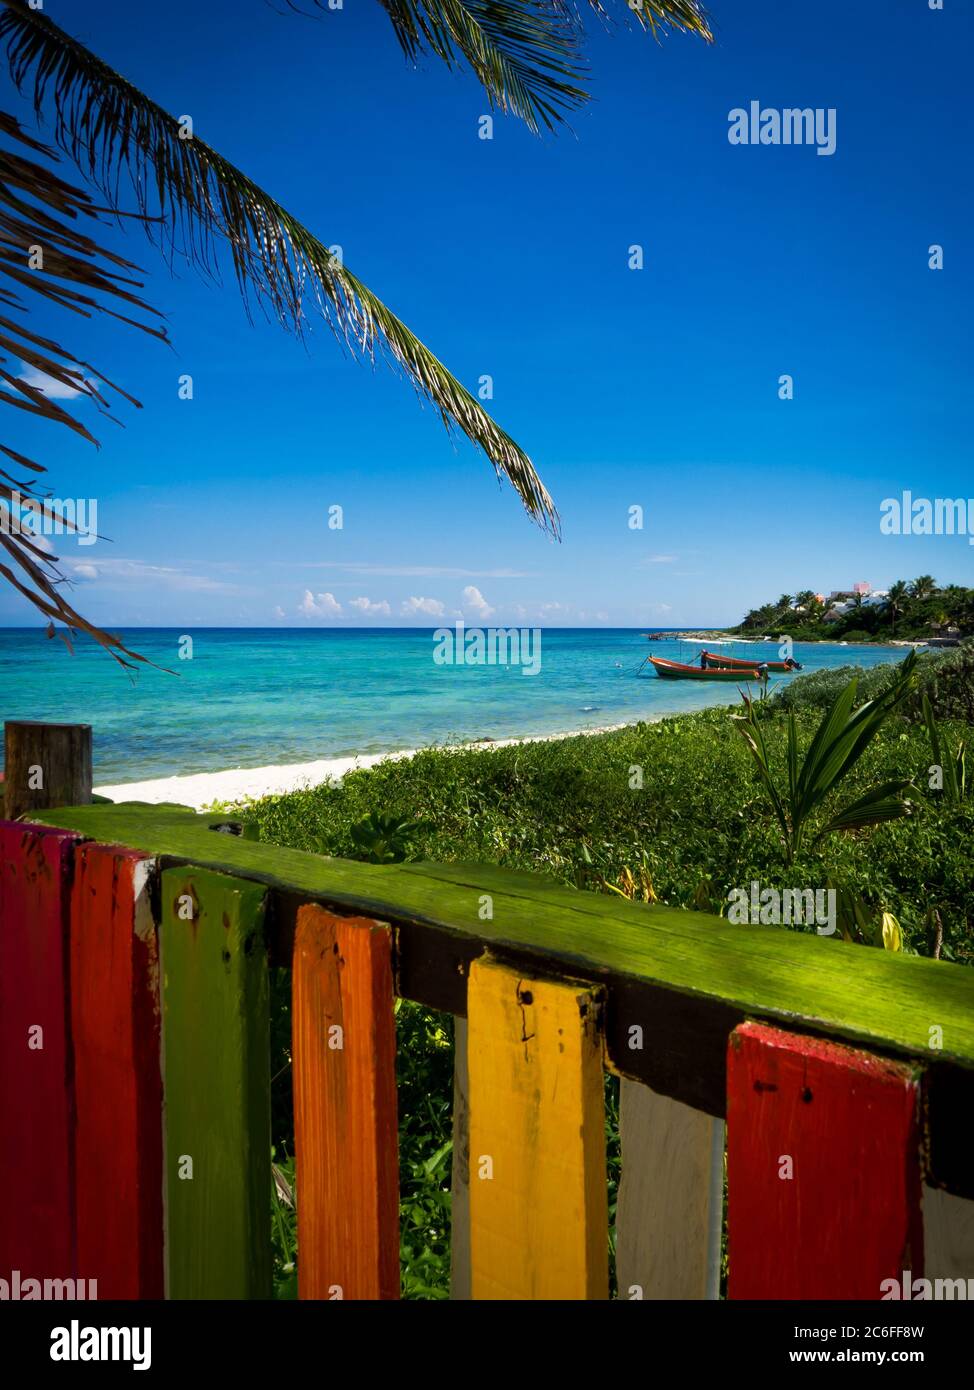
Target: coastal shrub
{"type": "Point", "coordinates": [950, 684]}
{"type": "Point", "coordinates": [945, 676]}
{"type": "Point", "coordinates": [819, 689]}
{"type": "Point", "coordinates": [680, 796]}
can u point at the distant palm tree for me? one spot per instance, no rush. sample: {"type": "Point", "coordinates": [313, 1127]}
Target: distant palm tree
{"type": "Point", "coordinates": [897, 598]}
{"type": "Point", "coordinates": [805, 599]}
{"type": "Point", "coordinates": [785, 601]}
{"type": "Point", "coordinates": [527, 54]}
{"type": "Point", "coordinates": [924, 587]}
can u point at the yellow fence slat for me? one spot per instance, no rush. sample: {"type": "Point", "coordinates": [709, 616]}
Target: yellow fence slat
{"type": "Point", "coordinates": [538, 1207]}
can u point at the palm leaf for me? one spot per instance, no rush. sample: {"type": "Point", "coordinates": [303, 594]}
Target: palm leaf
{"type": "Point", "coordinates": [750, 730]}
{"type": "Point", "coordinates": [953, 772]}
{"type": "Point", "coordinates": [884, 802]}
{"type": "Point", "coordinates": [197, 201]}
{"type": "Point", "coordinates": [38, 208]}
{"type": "Point", "coordinates": [843, 736]}
{"type": "Point", "coordinates": [526, 54]}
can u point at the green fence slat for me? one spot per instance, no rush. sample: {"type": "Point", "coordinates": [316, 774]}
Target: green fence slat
{"type": "Point", "coordinates": [216, 1049]}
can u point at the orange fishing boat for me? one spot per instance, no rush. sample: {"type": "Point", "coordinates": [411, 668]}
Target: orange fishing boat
{"type": "Point", "coordinates": [679, 671]}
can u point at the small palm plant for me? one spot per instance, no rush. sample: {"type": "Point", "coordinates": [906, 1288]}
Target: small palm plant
{"type": "Point", "coordinates": [380, 838]}
{"type": "Point", "coordinates": [840, 741]}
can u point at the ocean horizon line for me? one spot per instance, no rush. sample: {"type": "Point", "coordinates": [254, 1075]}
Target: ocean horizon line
{"type": "Point", "coordinates": [375, 627]}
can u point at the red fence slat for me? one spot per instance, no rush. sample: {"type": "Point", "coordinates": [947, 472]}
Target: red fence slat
{"type": "Point", "coordinates": [823, 1168]}
{"type": "Point", "coordinates": [36, 1100]}
{"type": "Point", "coordinates": [118, 1080]}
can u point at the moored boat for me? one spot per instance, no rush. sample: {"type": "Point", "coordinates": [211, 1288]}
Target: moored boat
{"type": "Point", "coordinates": [677, 671]}
{"type": "Point", "coordinates": [739, 663]}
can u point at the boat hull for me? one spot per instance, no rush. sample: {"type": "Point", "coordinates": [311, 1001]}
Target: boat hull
{"type": "Point", "coordinates": [677, 671]}
{"type": "Point", "coordinates": [737, 663]}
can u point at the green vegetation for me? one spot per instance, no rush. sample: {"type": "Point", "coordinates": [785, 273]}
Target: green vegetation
{"type": "Point", "coordinates": [912, 611]}
{"type": "Point", "coordinates": [945, 677]}
{"type": "Point", "coordinates": [676, 811]}
{"type": "Point", "coordinates": [839, 742]}
{"type": "Point", "coordinates": [949, 767]}
{"type": "Point", "coordinates": [698, 824]}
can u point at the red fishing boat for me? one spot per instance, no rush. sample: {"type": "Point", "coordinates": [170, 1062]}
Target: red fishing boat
{"type": "Point", "coordinates": [747, 663]}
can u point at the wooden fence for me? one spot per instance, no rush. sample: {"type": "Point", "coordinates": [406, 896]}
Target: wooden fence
{"type": "Point", "coordinates": [135, 943]}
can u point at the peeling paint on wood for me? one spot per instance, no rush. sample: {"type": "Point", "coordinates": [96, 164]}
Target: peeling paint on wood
{"type": "Point", "coordinates": [823, 1168]}
{"type": "Point", "coordinates": [36, 1081]}
{"type": "Point", "coordinates": [115, 1027]}
{"type": "Point", "coordinates": [216, 1049]}
{"type": "Point", "coordinates": [538, 1201]}
{"type": "Point", "coordinates": [671, 1195]}
{"type": "Point", "coordinates": [345, 1123]}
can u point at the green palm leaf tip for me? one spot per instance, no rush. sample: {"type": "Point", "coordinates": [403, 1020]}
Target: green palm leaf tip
{"type": "Point", "coordinates": [196, 199]}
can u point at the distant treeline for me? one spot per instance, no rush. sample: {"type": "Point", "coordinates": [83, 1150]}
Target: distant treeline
{"type": "Point", "coordinates": [916, 609]}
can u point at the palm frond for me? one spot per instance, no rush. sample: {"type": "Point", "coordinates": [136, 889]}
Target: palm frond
{"type": "Point", "coordinates": [883, 802]}
{"type": "Point", "coordinates": [526, 54]}
{"type": "Point", "coordinates": [196, 200]}
{"type": "Point", "coordinates": [39, 210]}
{"type": "Point", "coordinates": [683, 16]}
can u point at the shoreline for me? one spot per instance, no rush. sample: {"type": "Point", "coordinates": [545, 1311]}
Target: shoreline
{"type": "Point", "coordinates": [201, 789]}
{"type": "Point", "coordinates": [732, 638]}
{"type": "Point", "coordinates": [245, 784]}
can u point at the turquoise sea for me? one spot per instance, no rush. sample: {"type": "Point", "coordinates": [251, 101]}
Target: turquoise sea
{"type": "Point", "coordinates": [261, 697]}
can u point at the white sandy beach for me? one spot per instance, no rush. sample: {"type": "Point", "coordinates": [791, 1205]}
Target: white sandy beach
{"type": "Point", "coordinates": [202, 789]}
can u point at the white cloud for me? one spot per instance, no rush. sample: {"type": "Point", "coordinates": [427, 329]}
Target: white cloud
{"type": "Point", "coordinates": [474, 602]}
{"type": "Point", "coordinates": [659, 559]}
{"type": "Point", "coordinates": [279, 612]}
{"type": "Point", "coordinates": [319, 606]}
{"type": "Point", "coordinates": [368, 608]}
{"type": "Point", "coordinates": [53, 390]}
{"type": "Point", "coordinates": [122, 574]}
{"type": "Point", "coordinates": [432, 607]}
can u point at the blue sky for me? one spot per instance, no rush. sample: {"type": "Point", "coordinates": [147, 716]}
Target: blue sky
{"type": "Point", "coordinates": [509, 257]}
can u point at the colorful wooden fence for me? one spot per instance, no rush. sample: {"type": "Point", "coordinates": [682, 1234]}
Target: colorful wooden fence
{"type": "Point", "coordinates": [135, 944]}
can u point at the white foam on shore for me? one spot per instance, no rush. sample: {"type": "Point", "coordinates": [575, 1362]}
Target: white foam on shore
{"type": "Point", "coordinates": [201, 789]}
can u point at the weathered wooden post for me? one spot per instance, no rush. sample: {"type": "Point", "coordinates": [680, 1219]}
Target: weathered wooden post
{"type": "Point", "coordinates": [46, 765]}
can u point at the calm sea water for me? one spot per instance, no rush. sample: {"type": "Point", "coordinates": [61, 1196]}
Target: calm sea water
{"type": "Point", "coordinates": [257, 697]}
